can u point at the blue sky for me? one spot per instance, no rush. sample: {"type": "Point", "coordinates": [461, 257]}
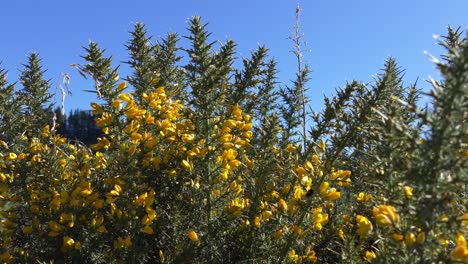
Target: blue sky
{"type": "Point", "coordinates": [346, 40]}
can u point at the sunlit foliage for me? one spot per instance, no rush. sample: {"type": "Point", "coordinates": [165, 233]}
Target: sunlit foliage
{"type": "Point", "coordinates": [194, 166]}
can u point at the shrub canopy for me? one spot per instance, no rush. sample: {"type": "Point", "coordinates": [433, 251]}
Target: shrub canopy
{"type": "Point", "coordinates": [207, 163]}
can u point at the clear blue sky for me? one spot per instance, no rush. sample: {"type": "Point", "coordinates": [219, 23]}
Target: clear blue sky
{"type": "Point", "coordinates": [347, 39]}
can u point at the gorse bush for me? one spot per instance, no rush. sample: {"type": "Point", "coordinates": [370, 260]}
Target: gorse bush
{"type": "Point", "coordinates": [204, 163]}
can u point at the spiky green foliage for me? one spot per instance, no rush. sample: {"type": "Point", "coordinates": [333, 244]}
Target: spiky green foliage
{"type": "Point", "coordinates": [214, 168]}
{"type": "Point", "coordinates": [155, 65]}
{"type": "Point", "coordinates": [8, 108]}
{"type": "Point", "coordinates": [100, 69]}
{"type": "Point", "coordinates": [34, 97]}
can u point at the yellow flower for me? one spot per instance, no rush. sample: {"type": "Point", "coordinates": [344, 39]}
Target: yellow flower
{"type": "Point", "coordinates": [370, 255]}
{"type": "Point", "coordinates": [464, 222]}
{"type": "Point", "coordinates": [321, 146]}
{"type": "Point", "coordinates": [408, 191]}
{"type": "Point", "coordinates": [364, 226]}
{"type": "Point", "coordinates": [126, 97]}
{"type": "Point", "coordinates": [237, 112]}
{"type": "Point", "coordinates": [363, 197]}
{"type": "Point", "coordinates": [324, 189]}
{"type": "Point", "coordinates": [104, 120]}
{"type": "Point", "coordinates": [192, 235]}
{"type": "Point", "coordinates": [443, 242]}
{"type": "Point", "coordinates": [341, 234]}
{"type": "Point", "coordinates": [266, 215]}
{"type": "Point", "coordinates": [102, 229]}
{"type": "Point", "coordinates": [121, 87]}
{"type": "Point", "coordinates": [247, 126]}
{"type": "Point", "coordinates": [444, 218]}
{"type": "Point", "coordinates": [301, 171]}
{"type": "Point", "coordinates": [293, 257]}
{"type": "Point", "coordinates": [290, 148]}
{"type": "Point", "coordinates": [216, 193]}
{"type": "Point", "coordinates": [315, 159]}
{"type": "Point", "coordinates": [127, 242]}
{"type": "Point", "coordinates": [310, 254]}
{"type": "Point", "coordinates": [11, 156]}
{"type": "Point", "coordinates": [421, 237]}
{"type": "Point", "coordinates": [186, 165]}
{"type": "Point", "coordinates": [278, 233]}
{"type": "Point", "coordinates": [136, 136]}
{"type": "Point", "coordinates": [117, 104]}
{"type": "Point", "coordinates": [45, 131]}
{"type": "Point", "coordinates": [234, 163]}
{"type": "Point", "coordinates": [123, 242]}
{"type": "Point", "coordinates": [385, 215]}
{"type": "Point", "coordinates": [188, 138]}
{"type": "Point", "coordinates": [410, 239]}
{"type": "Point", "coordinates": [229, 154]}
{"type": "Point", "coordinates": [68, 242]}
{"type": "Point", "coordinates": [6, 257]}
{"type": "Point", "coordinates": [333, 194]}
{"type": "Point", "coordinates": [342, 177]}
{"type": "Point", "coordinates": [397, 237]}
{"type": "Point", "coordinates": [319, 218]}
{"type": "Point", "coordinates": [308, 166]}
{"type": "Point", "coordinates": [327, 193]}
{"type": "Point", "coordinates": [257, 221]}
{"type": "Point", "coordinates": [21, 156]}
{"type": "Point", "coordinates": [134, 112]}
{"type": "Point", "coordinates": [148, 230]}
{"type": "Point", "coordinates": [97, 109]}
{"type": "Point", "coordinates": [161, 256]}
{"type": "Point", "coordinates": [3, 177]}
{"type": "Point", "coordinates": [54, 226]}
{"type": "Point", "coordinates": [460, 252]}
{"type": "Point", "coordinates": [282, 205]}
{"type": "Point", "coordinates": [226, 138]}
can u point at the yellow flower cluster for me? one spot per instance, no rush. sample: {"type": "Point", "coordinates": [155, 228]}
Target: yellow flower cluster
{"type": "Point", "coordinates": [234, 134]}
{"type": "Point", "coordinates": [385, 215]}
{"type": "Point", "coordinates": [460, 252]}
{"type": "Point", "coordinates": [309, 256]}
{"type": "Point", "coordinates": [364, 226]}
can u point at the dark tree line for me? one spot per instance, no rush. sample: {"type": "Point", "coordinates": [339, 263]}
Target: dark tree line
{"type": "Point", "coordinates": [78, 125]}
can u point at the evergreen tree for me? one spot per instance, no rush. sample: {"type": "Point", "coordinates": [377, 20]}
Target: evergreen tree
{"type": "Point", "coordinates": [61, 122]}
{"type": "Point", "coordinates": [79, 126]}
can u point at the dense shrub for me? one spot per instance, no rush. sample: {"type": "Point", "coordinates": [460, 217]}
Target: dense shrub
{"type": "Point", "coordinates": [204, 163]}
